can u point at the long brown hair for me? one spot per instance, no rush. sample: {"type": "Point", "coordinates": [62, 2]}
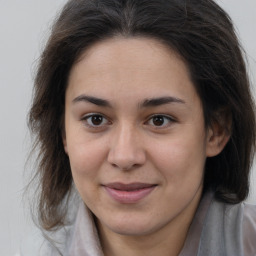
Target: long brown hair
{"type": "Point", "coordinates": [199, 31]}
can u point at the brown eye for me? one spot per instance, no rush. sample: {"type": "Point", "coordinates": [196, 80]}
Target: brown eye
{"type": "Point", "coordinates": [160, 121]}
{"type": "Point", "coordinates": [95, 120]}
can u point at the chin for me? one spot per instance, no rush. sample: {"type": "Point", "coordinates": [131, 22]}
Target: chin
{"type": "Point", "coordinates": [132, 231]}
{"type": "Point", "coordinates": [132, 227]}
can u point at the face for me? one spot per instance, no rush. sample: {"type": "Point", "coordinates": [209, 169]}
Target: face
{"type": "Point", "coordinates": [135, 135]}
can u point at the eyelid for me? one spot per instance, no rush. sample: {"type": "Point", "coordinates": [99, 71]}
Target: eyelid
{"type": "Point", "coordinates": [107, 121]}
{"type": "Point", "coordinates": [168, 117]}
{"type": "Point", "coordinates": [85, 118]}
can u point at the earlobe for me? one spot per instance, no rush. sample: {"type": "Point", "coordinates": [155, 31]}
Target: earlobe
{"type": "Point", "coordinates": [217, 138]}
{"type": "Point", "coordinates": [64, 141]}
{"type": "Point", "coordinates": [63, 134]}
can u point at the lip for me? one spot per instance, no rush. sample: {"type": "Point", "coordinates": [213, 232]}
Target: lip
{"type": "Point", "coordinates": [129, 193]}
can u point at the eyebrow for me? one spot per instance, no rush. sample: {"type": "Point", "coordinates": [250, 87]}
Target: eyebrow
{"type": "Point", "coordinates": [93, 100]}
{"type": "Point", "coordinates": [152, 102]}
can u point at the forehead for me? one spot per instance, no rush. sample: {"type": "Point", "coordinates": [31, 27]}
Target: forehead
{"type": "Point", "coordinates": [130, 65]}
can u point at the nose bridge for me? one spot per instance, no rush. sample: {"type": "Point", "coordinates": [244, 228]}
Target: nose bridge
{"type": "Point", "coordinates": [126, 135]}
{"type": "Point", "coordinates": [126, 149]}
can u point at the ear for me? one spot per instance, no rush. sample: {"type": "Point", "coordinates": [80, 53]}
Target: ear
{"type": "Point", "coordinates": [64, 141]}
{"type": "Point", "coordinates": [218, 135]}
{"type": "Point", "coordinates": [63, 133]}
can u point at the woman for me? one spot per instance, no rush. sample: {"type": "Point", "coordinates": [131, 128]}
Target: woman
{"type": "Point", "coordinates": [145, 126]}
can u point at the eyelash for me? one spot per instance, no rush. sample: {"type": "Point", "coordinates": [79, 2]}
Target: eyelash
{"type": "Point", "coordinates": [106, 122]}
{"type": "Point", "coordinates": [167, 118]}
{"type": "Point", "coordinates": [91, 125]}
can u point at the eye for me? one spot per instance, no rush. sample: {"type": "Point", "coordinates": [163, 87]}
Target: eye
{"type": "Point", "coordinates": [95, 120]}
{"type": "Point", "coordinates": [160, 121]}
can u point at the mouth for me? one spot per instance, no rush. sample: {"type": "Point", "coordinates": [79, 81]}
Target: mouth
{"type": "Point", "coordinates": [128, 193]}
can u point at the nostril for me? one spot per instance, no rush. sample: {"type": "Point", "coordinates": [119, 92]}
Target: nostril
{"type": "Point", "coordinates": [126, 154]}
{"type": "Point", "coordinates": [125, 168]}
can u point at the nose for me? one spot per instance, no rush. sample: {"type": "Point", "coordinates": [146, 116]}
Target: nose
{"type": "Point", "coordinates": [126, 149]}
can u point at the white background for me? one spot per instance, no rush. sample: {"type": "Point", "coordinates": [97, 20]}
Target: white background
{"type": "Point", "coordinates": [24, 27]}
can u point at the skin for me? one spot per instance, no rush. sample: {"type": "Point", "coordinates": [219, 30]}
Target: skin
{"type": "Point", "coordinates": [124, 143]}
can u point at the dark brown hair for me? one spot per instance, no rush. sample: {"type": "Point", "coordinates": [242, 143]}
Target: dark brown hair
{"type": "Point", "coordinates": [200, 32]}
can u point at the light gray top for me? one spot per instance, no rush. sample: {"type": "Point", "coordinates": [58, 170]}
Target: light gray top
{"type": "Point", "coordinates": [218, 229]}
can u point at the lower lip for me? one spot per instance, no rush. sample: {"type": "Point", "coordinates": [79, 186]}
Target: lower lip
{"type": "Point", "coordinates": [129, 197]}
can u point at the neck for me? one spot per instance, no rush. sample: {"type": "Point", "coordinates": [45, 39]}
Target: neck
{"type": "Point", "coordinates": [167, 241]}
{"type": "Point", "coordinates": [143, 245]}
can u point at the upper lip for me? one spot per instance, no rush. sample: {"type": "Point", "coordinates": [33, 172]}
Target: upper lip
{"type": "Point", "coordinates": [128, 187]}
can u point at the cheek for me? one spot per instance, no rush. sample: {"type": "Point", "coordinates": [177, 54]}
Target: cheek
{"type": "Point", "coordinates": [180, 160]}
{"type": "Point", "coordinates": [86, 158]}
